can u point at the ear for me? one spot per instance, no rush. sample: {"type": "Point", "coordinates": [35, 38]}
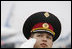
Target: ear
{"type": "Point", "coordinates": [31, 36]}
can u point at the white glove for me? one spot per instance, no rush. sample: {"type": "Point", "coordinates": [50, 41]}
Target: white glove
{"type": "Point", "coordinates": [29, 43]}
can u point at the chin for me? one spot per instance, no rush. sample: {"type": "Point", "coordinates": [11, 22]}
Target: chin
{"type": "Point", "coordinates": [41, 47]}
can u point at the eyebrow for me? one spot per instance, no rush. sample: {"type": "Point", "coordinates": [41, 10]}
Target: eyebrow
{"type": "Point", "coordinates": [43, 33]}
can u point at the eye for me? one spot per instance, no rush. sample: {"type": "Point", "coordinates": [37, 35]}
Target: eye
{"type": "Point", "coordinates": [39, 35]}
{"type": "Point", "coordinates": [48, 37]}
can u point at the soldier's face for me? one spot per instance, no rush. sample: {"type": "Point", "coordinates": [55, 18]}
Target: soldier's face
{"type": "Point", "coordinates": [44, 40]}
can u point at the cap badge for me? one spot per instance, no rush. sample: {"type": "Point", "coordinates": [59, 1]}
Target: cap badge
{"type": "Point", "coordinates": [46, 14]}
{"type": "Point", "coordinates": [45, 25]}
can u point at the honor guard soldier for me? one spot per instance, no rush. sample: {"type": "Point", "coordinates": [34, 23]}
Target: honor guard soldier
{"type": "Point", "coordinates": [44, 27]}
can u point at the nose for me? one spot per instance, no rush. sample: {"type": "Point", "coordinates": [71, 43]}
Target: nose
{"type": "Point", "coordinates": [44, 39]}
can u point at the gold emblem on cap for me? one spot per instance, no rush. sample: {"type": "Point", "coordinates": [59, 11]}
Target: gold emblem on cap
{"type": "Point", "coordinates": [46, 14]}
{"type": "Point", "coordinates": [45, 25]}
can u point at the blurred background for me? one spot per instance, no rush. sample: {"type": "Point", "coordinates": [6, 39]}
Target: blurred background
{"type": "Point", "coordinates": [15, 13]}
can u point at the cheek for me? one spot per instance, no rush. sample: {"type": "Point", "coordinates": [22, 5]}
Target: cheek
{"type": "Point", "coordinates": [50, 43]}
{"type": "Point", "coordinates": [38, 42]}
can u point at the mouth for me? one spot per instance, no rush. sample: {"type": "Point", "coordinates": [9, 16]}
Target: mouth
{"type": "Point", "coordinates": [43, 45]}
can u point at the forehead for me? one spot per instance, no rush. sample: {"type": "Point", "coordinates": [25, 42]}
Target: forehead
{"type": "Point", "coordinates": [43, 34]}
